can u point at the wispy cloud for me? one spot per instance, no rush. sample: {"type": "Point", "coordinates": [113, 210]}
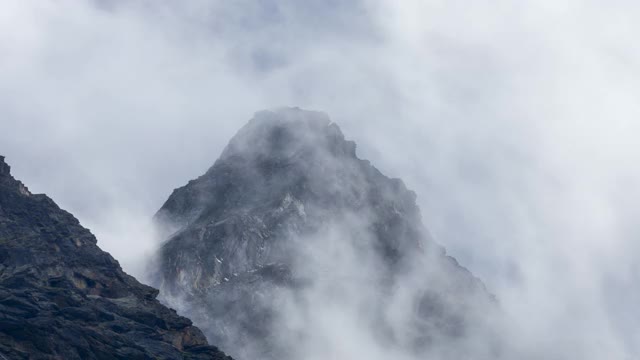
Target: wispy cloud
{"type": "Point", "coordinates": [515, 122]}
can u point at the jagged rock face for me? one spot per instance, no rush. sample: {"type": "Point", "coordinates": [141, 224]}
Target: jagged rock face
{"type": "Point", "coordinates": [279, 174]}
{"type": "Point", "coordinates": [288, 214]}
{"type": "Point", "coordinates": [61, 297]}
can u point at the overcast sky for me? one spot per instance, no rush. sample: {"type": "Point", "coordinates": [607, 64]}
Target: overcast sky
{"type": "Point", "coordinates": [516, 123]}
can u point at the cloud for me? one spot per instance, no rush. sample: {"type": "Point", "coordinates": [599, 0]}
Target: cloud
{"type": "Point", "coordinates": [515, 122]}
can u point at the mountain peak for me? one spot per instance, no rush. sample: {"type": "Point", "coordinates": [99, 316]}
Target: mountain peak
{"type": "Point", "coordinates": [288, 132]}
{"type": "Point", "coordinates": [297, 154]}
{"type": "Point", "coordinates": [287, 209]}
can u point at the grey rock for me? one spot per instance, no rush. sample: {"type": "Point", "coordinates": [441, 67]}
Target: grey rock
{"type": "Point", "coordinates": [61, 297]}
{"type": "Point", "coordinates": [233, 238]}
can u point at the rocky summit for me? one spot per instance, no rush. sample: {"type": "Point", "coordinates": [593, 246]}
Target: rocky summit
{"type": "Point", "coordinates": [290, 238]}
{"type": "Point", "coordinates": [61, 297]}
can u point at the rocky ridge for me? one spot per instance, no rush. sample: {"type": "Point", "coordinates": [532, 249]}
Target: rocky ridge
{"type": "Point", "coordinates": [61, 297]}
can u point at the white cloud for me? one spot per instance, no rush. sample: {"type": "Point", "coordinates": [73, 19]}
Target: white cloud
{"type": "Point", "coordinates": [515, 122]}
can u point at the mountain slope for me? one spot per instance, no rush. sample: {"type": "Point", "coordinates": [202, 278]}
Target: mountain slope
{"type": "Point", "coordinates": [290, 237]}
{"type": "Point", "coordinates": [61, 297]}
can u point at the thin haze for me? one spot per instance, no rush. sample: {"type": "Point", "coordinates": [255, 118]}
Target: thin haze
{"type": "Point", "coordinates": [514, 121]}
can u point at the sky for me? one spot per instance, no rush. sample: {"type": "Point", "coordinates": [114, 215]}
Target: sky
{"type": "Point", "coordinates": [514, 122]}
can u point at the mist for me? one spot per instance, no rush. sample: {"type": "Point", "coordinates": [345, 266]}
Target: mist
{"type": "Point", "coordinates": [514, 122]}
{"type": "Point", "coordinates": [350, 306]}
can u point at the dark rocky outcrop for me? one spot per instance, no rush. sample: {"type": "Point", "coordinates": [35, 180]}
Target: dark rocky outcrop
{"type": "Point", "coordinates": [61, 297]}
{"type": "Point", "coordinates": [289, 178]}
